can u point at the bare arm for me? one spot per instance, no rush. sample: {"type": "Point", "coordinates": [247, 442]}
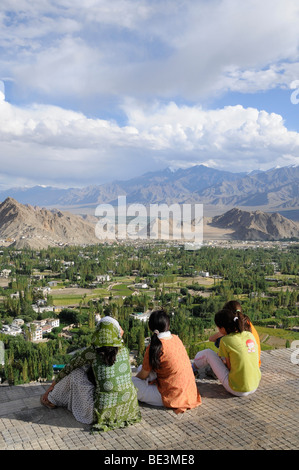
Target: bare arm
{"type": "Point", "coordinates": [215, 336]}
{"type": "Point", "coordinates": [143, 374]}
{"type": "Point", "coordinates": [50, 389]}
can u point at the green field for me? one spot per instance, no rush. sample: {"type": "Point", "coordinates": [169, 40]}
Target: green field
{"type": "Point", "coordinates": [78, 296]}
{"type": "Point", "coordinates": [121, 289]}
{"type": "Point", "coordinates": [272, 338]}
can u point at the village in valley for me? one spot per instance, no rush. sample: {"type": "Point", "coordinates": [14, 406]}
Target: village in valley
{"type": "Point", "coordinates": [51, 299]}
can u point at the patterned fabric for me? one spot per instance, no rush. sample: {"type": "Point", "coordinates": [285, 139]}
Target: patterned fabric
{"type": "Point", "coordinates": [115, 397]}
{"type": "Point", "coordinates": [108, 333]}
{"type": "Point", "coordinates": [75, 392]}
{"type": "Point", "coordinates": [175, 377]}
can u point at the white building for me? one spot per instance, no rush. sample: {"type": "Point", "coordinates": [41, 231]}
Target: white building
{"type": "Point", "coordinates": [204, 273]}
{"type": "Point", "coordinates": [12, 330]}
{"type": "Point", "coordinates": [18, 322]}
{"type": "Point", "coordinates": [37, 334]}
{"type": "Point", "coordinates": [42, 327]}
{"type": "Point", "coordinates": [141, 316]}
{"type": "Point", "coordinates": [54, 322]}
{"type": "Point", "coordinates": [40, 309]}
{"type": "Point", "coordinates": [5, 273]}
{"type": "Point", "coordinates": [16, 295]}
{"type": "Point", "coordinates": [103, 278]}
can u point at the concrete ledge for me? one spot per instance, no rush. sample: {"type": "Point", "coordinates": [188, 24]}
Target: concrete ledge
{"type": "Point", "coordinates": [267, 419]}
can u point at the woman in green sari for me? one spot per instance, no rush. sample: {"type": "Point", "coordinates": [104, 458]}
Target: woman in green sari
{"type": "Point", "coordinates": [109, 402]}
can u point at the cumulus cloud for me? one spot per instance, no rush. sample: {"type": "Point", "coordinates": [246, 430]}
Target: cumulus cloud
{"type": "Point", "coordinates": [140, 63]}
{"type": "Point", "coordinates": [51, 145]}
{"type": "Point", "coordinates": [245, 137]}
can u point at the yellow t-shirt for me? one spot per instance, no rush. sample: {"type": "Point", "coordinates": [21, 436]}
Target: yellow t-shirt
{"type": "Point", "coordinates": [242, 351]}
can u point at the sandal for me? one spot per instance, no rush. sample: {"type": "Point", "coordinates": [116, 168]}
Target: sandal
{"type": "Point", "coordinates": [46, 402]}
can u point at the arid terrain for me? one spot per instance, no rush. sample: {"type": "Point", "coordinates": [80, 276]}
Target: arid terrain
{"type": "Point", "coordinates": [26, 226]}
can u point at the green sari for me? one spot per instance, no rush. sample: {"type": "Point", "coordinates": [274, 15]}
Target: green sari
{"type": "Point", "coordinates": [115, 396]}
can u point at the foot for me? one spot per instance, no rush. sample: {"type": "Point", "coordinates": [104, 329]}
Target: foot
{"type": "Point", "coordinates": [44, 401]}
{"type": "Point", "coordinates": [195, 370]}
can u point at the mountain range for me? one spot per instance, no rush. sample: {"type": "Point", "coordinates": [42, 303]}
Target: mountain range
{"type": "Point", "coordinates": [25, 226]}
{"type": "Point", "coordinates": [261, 205]}
{"type": "Point", "coordinates": [275, 190]}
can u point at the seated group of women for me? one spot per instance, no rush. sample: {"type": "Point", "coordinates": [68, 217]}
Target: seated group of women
{"type": "Point", "coordinates": [98, 388]}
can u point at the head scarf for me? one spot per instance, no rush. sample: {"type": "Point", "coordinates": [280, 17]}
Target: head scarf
{"type": "Point", "coordinates": [107, 333]}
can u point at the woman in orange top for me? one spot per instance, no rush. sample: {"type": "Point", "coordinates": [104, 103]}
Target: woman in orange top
{"type": "Point", "coordinates": [166, 363]}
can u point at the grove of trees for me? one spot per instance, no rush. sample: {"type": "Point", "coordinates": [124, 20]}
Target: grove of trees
{"type": "Point", "coordinates": [264, 280]}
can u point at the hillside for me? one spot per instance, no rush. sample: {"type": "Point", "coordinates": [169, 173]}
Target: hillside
{"type": "Point", "coordinates": [256, 225]}
{"type": "Point", "coordinates": [35, 227]}
{"type": "Point", "coordinates": [218, 190]}
{"type": "Point", "coordinates": [163, 186]}
{"type": "Point", "coordinates": [277, 188]}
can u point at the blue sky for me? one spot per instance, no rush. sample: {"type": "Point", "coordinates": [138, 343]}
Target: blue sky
{"type": "Point", "coordinates": [103, 90]}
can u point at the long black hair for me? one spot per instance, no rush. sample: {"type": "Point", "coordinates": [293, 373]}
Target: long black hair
{"type": "Point", "coordinates": [108, 354]}
{"type": "Point", "coordinates": [158, 321]}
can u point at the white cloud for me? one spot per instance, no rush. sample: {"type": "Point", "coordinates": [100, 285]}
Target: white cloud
{"type": "Point", "coordinates": [230, 136]}
{"type": "Point", "coordinates": [146, 56]}
{"type": "Point", "coordinates": [51, 144]}
{"type": "Point", "coordinates": [149, 48]}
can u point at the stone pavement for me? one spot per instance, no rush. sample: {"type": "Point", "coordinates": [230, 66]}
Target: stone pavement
{"type": "Point", "coordinates": [268, 419]}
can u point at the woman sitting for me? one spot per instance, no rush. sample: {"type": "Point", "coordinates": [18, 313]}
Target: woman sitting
{"type": "Point", "coordinates": [167, 363]}
{"type": "Point", "coordinates": [237, 362]}
{"type": "Point", "coordinates": [109, 403]}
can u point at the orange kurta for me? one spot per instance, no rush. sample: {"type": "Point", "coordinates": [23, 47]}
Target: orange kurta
{"type": "Point", "coordinates": [175, 377]}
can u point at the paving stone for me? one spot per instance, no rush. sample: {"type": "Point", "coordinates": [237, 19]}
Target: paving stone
{"type": "Point", "coordinates": [268, 419]}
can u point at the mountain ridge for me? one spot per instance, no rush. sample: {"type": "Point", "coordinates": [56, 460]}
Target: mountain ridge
{"type": "Point", "coordinates": [276, 189]}
{"type": "Point", "coordinates": [25, 226]}
{"type": "Point", "coordinates": [256, 225]}
{"type": "Point", "coordinates": [36, 227]}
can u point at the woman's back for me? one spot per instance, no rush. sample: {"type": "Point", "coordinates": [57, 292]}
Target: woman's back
{"type": "Point", "coordinates": [242, 351]}
{"type": "Point", "coordinates": [115, 377]}
{"type": "Point", "coordinates": [175, 378]}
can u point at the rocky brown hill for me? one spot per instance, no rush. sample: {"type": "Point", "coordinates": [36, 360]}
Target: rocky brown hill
{"type": "Point", "coordinates": [27, 226]}
{"type": "Point", "coordinates": [256, 225]}
{"type": "Point", "coordinates": [34, 227]}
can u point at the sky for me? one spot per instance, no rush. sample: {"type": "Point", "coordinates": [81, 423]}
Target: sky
{"type": "Point", "coordinates": [104, 90]}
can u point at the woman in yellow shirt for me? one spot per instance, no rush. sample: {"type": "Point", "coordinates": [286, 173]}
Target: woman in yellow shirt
{"type": "Point", "coordinates": [236, 307]}
{"type": "Point", "coordinates": [237, 362]}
